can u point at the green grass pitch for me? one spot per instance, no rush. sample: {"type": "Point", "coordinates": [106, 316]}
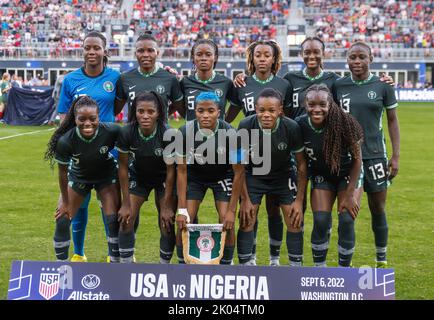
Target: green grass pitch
{"type": "Point", "coordinates": [29, 191]}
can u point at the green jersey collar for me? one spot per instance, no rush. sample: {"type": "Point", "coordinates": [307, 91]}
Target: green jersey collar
{"type": "Point", "coordinates": [204, 134]}
{"type": "Point", "coordinates": [270, 131]}
{"type": "Point", "coordinates": [313, 128]}
{"type": "Point", "coordinates": [313, 78]}
{"type": "Point", "coordinates": [205, 81]}
{"type": "Point", "coordinates": [360, 82]}
{"type": "Point", "coordinates": [148, 74]}
{"type": "Point", "coordinates": [147, 138]}
{"type": "Point", "coordinates": [83, 138]}
{"type": "Point", "coordinates": [263, 81]}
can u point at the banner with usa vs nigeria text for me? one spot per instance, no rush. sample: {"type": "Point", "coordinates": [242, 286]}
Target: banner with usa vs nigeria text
{"type": "Point", "coordinates": [39, 280]}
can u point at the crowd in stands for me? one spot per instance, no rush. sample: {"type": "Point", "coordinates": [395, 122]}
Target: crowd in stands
{"type": "Point", "coordinates": [386, 24]}
{"type": "Point", "coordinates": [58, 23]}
{"type": "Point", "coordinates": [61, 25]}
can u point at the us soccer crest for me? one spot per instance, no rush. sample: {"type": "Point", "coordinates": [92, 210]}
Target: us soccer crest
{"type": "Point", "coordinates": [49, 285]}
{"type": "Point", "coordinates": [203, 243]}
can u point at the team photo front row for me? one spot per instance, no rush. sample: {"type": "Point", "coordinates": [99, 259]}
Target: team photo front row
{"type": "Point", "coordinates": [268, 154]}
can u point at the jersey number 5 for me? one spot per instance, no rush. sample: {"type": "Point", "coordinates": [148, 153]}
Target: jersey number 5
{"type": "Point", "coordinates": [190, 101]}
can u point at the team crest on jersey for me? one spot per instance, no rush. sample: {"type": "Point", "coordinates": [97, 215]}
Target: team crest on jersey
{"type": "Point", "coordinates": [160, 89]}
{"type": "Point", "coordinates": [319, 179]}
{"type": "Point", "coordinates": [158, 152]}
{"type": "Point", "coordinates": [49, 285]}
{"type": "Point", "coordinates": [219, 92]}
{"type": "Point", "coordinates": [282, 146]}
{"type": "Point", "coordinates": [372, 95]}
{"type": "Point", "coordinates": [205, 243]}
{"type": "Point", "coordinates": [108, 86]}
{"type": "Point", "coordinates": [103, 150]}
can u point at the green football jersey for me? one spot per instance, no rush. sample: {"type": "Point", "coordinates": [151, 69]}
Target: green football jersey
{"type": "Point", "coordinates": [366, 101]}
{"type": "Point", "coordinates": [221, 85]}
{"type": "Point", "coordinates": [89, 160]}
{"type": "Point", "coordinates": [313, 140]}
{"type": "Point", "coordinates": [146, 153]}
{"type": "Point", "coordinates": [161, 81]}
{"type": "Point", "coordinates": [196, 144]}
{"type": "Point", "coordinates": [299, 81]}
{"type": "Point", "coordinates": [286, 139]}
{"type": "Point", "coordinates": [246, 97]}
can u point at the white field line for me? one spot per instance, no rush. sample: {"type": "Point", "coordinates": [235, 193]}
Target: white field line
{"type": "Point", "coordinates": [25, 133]}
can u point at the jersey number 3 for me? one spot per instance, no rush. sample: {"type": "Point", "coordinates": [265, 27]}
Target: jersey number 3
{"type": "Point", "coordinates": [345, 104]}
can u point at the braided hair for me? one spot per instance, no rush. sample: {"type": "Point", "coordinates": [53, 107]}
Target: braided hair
{"type": "Point", "coordinates": [277, 56]}
{"type": "Point", "coordinates": [67, 124]}
{"type": "Point", "coordinates": [96, 34]}
{"type": "Point", "coordinates": [208, 42]}
{"type": "Point", "coordinates": [147, 35]}
{"type": "Point", "coordinates": [148, 96]}
{"type": "Point", "coordinates": [342, 131]}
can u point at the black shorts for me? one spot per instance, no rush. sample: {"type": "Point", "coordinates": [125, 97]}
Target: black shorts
{"type": "Point", "coordinates": [222, 189]}
{"type": "Point", "coordinates": [326, 183]}
{"type": "Point", "coordinates": [84, 188]}
{"type": "Point", "coordinates": [375, 175]}
{"type": "Point", "coordinates": [284, 188]}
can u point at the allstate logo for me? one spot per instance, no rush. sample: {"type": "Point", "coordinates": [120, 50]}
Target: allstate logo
{"type": "Point", "coordinates": [205, 243]}
{"type": "Point", "coordinates": [90, 281]}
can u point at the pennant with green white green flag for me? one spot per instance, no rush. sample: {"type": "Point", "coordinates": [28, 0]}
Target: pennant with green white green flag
{"type": "Point", "coordinates": [203, 243]}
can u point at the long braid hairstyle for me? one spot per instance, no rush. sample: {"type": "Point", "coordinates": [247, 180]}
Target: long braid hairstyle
{"type": "Point", "coordinates": [148, 96]}
{"type": "Point", "coordinates": [342, 131]}
{"type": "Point", "coordinates": [211, 44]}
{"type": "Point", "coordinates": [67, 124]}
{"type": "Point", "coordinates": [277, 55]}
{"type": "Point", "coordinates": [96, 34]}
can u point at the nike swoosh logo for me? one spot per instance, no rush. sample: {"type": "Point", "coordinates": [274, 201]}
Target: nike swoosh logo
{"type": "Point", "coordinates": [76, 155]}
{"type": "Point", "coordinates": [134, 149]}
{"type": "Point", "coordinates": [81, 89]}
{"type": "Point", "coordinates": [193, 91]}
{"type": "Point", "coordinates": [344, 95]}
{"type": "Point", "coordinates": [132, 87]}
{"type": "Point", "coordinates": [249, 93]}
{"type": "Point", "coordinates": [380, 183]}
{"type": "Point", "coordinates": [296, 89]}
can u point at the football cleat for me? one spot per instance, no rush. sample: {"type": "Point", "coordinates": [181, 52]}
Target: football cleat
{"type": "Point", "coordinates": [78, 258]}
{"type": "Point", "coordinates": [381, 264]}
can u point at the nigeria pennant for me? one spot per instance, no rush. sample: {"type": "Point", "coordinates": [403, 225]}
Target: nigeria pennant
{"type": "Point", "coordinates": [203, 243]}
